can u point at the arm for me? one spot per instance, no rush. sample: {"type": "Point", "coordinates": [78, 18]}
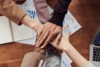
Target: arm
{"type": "Point", "coordinates": [33, 59]}
{"type": "Point", "coordinates": [36, 58]}
{"type": "Point", "coordinates": [60, 10]}
{"type": "Point", "coordinates": [42, 10]}
{"type": "Point", "coordinates": [9, 9]}
{"type": "Point", "coordinates": [77, 58]}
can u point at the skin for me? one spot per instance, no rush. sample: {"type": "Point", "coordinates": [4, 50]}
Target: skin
{"type": "Point", "coordinates": [44, 32]}
{"type": "Point", "coordinates": [50, 30]}
{"type": "Point", "coordinates": [42, 51]}
{"type": "Point", "coordinates": [66, 46]}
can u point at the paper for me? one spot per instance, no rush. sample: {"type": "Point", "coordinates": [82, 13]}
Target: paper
{"type": "Point", "coordinates": [21, 32]}
{"type": "Point", "coordinates": [69, 66]}
{"type": "Point", "coordinates": [30, 41]}
{"type": "Point", "coordinates": [50, 9]}
{"type": "Point", "coordinates": [70, 24]}
{"type": "Point", "coordinates": [31, 12]}
{"type": "Point", "coordinates": [5, 31]}
{"type": "Point", "coordinates": [65, 60]}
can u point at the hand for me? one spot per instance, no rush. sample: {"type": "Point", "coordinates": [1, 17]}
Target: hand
{"type": "Point", "coordinates": [64, 43]}
{"type": "Point", "coordinates": [42, 51]}
{"type": "Point", "coordinates": [49, 31]}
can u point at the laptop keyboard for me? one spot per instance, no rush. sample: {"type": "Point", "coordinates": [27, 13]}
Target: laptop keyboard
{"type": "Point", "coordinates": [96, 54]}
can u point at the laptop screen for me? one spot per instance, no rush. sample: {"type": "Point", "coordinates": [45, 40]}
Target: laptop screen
{"type": "Point", "coordinates": [97, 39]}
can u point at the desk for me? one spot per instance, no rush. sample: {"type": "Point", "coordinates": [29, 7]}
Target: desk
{"type": "Point", "coordinates": [86, 12]}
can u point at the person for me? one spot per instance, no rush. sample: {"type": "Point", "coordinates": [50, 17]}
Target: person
{"type": "Point", "coordinates": [60, 9]}
{"type": "Point", "coordinates": [9, 9]}
{"type": "Point", "coordinates": [36, 58]}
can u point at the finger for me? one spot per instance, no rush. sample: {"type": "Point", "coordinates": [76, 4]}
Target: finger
{"type": "Point", "coordinates": [53, 49]}
{"type": "Point", "coordinates": [53, 39]}
{"type": "Point", "coordinates": [53, 44]}
{"type": "Point", "coordinates": [40, 37]}
{"type": "Point", "coordinates": [68, 34]}
{"type": "Point", "coordinates": [48, 47]}
{"type": "Point", "coordinates": [47, 41]}
{"type": "Point", "coordinates": [43, 39]}
{"type": "Point", "coordinates": [61, 51]}
{"type": "Point", "coordinates": [58, 38]}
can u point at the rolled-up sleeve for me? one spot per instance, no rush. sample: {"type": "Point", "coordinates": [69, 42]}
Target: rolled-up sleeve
{"type": "Point", "coordinates": [89, 64]}
{"type": "Point", "coordinates": [9, 9]}
{"type": "Point", "coordinates": [33, 59]}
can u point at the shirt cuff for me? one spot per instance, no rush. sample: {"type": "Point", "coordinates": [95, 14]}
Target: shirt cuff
{"type": "Point", "coordinates": [22, 15]}
{"type": "Point", "coordinates": [89, 64]}
{"type": "Point", "coordinates": [57, 18]}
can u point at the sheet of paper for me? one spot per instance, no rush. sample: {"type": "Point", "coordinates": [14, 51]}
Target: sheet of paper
{"type": "Point", "coordinates": [50, 9]}
{"type": "Point", "coordinates": [31, 12]}
{"type": "Point", "coordinates": [5, 31]}
{"type": "Point", "coordinates": [70, 24]}
{"type": "Point", "coordinates": [65, 60]}
{"type": "Point", "coordinates": [69, 66]}
{"type": "Point", "coordinates": [30, 41]}
{"type": "Point", "coordinates": [21, 32]}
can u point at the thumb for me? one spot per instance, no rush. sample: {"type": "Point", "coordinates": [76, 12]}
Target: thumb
{"type": "Point", "coordinates": [53, 44]}
{"type": "Point", "coordinates": [58, 38]}
{"type": "Point", "coordinates": [68, 34]}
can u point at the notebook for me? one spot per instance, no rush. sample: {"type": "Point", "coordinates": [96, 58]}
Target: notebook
{"type": "Point", "coordinates": [11, 32]}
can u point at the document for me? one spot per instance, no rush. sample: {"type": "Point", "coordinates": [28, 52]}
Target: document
{"type": "Point", "coordinates": [10, 32]}
{"type": "Point", "coordinates": [70, 24]}
{"type": "Point", "coordinates": [5, 30]}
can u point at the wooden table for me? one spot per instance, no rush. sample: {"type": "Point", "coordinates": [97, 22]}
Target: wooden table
{"type": "Point", "coordinates": [86, 12]}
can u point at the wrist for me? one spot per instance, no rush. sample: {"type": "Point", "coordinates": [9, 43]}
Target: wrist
{"type": "Point", "coordinates": [39, 50]}
{"type": "Point", "coordinates": [30, 22]}
{"type": "Point", "coordinates": [67, 48]}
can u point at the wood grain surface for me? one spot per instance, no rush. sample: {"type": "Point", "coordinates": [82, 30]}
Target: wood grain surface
{"type": "Point", "coordinates": [86, 12]}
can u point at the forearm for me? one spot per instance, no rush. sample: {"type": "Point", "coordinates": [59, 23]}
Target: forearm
{"type": "Point", "coordinates": [9, 9]}
{"type": "Point", "coordinates": [33, 24]}
{"type": "Point", "coordinates": [60, 10]}
{"type": "Point", "coordinates": [42, 10]}
{"type": "Point", "coordinates": [33, 59]}
{"type": "Point", "coordinates": [77, 58]}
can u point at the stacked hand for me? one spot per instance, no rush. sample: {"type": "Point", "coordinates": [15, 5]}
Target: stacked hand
{"type": "Point", "coordinates": [64, 43]}
{"type": "Point", "coordinates": [47, 32]}
{"type": "Point", "coordinates": [44, 50]}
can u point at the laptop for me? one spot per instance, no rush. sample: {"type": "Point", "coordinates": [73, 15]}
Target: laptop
{"type": "Point", "coordinates": [95, 49]}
